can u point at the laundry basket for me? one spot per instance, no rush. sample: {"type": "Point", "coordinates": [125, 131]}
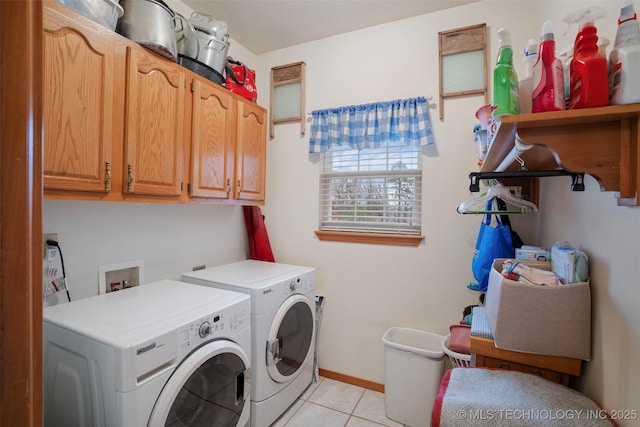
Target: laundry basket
{"type": "Point", "coordinates": [458, 360]}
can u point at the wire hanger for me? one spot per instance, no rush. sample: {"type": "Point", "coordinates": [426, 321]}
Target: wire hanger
{"type": "Point", "coordinates": [515, 204]}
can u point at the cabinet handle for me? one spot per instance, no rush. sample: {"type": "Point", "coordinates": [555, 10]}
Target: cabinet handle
{"type": "Point", "coordinates": [107, 176]}
{"type": "Point", "coordinates": [239, 189]}
{"type": "Point", "coordinates": [504, 365]}
{"type": "Point", "coordinates": [228, 187]}
{"type": "Point", "coordinates": [130, 179]}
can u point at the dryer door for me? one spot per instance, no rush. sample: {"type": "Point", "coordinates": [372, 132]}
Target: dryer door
{"type": "Point", "coordinates": [210, 387]}
{"type": "Point", "coordinates": [290, 339]}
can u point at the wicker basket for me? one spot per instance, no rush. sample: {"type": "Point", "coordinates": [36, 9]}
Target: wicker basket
{"type": "Point", "coordinates": [458, 360]}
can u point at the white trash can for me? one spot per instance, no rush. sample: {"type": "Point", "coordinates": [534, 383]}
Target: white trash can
{"type": "Point", "coordinates": [413, 369]}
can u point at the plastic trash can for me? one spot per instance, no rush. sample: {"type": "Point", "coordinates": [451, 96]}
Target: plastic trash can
{"type": "Point", "coordinates": [413, 369]}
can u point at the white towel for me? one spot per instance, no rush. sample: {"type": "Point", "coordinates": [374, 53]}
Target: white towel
{"type": "Point", "coordinates": [530, 275]}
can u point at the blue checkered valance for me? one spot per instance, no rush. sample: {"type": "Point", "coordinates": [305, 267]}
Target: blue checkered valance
{"type": "Point", "coordinates": [369, 125]}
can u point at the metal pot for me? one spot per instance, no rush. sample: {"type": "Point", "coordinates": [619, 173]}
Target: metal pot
{"type": "Point", "coordinates": [213, 38]}
{"type": "Point", "coordinates": [150, 23]}
{"type": "Point", "coordinates": [186, 38]}
{"type": "Point", "coordinates": [216, 28]}
{"type": "Point", "coordinates": [104, 12]}
{"type": "Point", "coordinates": [201, 69]}
{"type": "Point", "coordinates": [212, 52]}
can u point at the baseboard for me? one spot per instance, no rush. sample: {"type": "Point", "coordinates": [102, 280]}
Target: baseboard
{"type": "Point", "coordinates": [351, 380]}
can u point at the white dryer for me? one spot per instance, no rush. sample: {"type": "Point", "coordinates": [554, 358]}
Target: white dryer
{"type": "Point", "coordinates": [282, 325]}
{"type": "Point", "coordinates": [161, 354]}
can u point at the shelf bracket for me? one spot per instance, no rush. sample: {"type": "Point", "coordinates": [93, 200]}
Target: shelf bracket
{"type": "Point", "coordinates": [577, 178]}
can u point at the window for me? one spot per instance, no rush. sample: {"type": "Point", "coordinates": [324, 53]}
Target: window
{"type": "Point", "coordinates": [371, 190]}
{"type": "Point", "coordinates": [371, 178]}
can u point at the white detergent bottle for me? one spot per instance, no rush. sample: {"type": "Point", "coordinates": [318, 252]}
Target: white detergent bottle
{"type": "Point", "coordinates": [525, 85]}
{"type": "Point", "coordinates": [624, 61]}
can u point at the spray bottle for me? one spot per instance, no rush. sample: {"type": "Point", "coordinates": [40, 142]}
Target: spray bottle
{"type": "Point", "coordinates": [505, 79]}
{"type": "Point", "coordinates": [548, 77]}
{"type": "Point", "coordinates": [566, 56]}
{"type": "Point", "coordinates": [525, 85]}
{"type": "Point", "coordinates": [624, 61]}
{"type": "Point", "coordinates": [603, 44]}
{"type": "Point", "coordinates": [589, 86]}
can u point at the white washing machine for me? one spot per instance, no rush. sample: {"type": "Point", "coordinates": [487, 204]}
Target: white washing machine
{"type": "Point", "coordinates": [283, 329]}
{"type": "Point", "coordinates": [161, 354]}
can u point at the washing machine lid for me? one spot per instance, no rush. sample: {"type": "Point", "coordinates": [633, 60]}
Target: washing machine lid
{"type": "Point", "coordinates": [130, 316]}
{"type": "Point", "coordinates": [249, 274]}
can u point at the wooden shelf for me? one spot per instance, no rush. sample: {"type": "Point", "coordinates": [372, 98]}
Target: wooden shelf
{"type": "Point", "coordinates": [554, 368]}
{"type": "Point", "coordinates": [602, 142]}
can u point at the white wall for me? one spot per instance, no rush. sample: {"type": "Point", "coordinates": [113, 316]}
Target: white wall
{"type": "Point", "coordinates": [171, 239]}
{"type": "Point", "coordinates": [369, 288]}
{"type": "Point", "coordinates": [593, 222]}
{"type": "Point", "coordinates": [608, 234]}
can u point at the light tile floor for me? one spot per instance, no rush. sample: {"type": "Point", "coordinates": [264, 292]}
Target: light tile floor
{"type": "Point", "coordinates": [330, 403]}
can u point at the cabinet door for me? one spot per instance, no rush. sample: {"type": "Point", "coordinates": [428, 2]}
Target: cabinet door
{"type": "Point", "coordinates": [154, 98]}
{"type": "Point", "coordinates": [78, 104]}
{"type": "Point", "coordinates": [251, 151]}
{"type": "Point", "coordinates": [213, 136]}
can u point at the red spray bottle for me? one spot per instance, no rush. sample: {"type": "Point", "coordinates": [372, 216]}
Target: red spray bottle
{"type": "Point", "coordinates": [589, 86]}
{"type": "Point", "coordinates": [548, 75]}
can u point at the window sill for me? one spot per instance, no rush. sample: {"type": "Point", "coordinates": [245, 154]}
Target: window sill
{"type": "Point", "coordinates": [372, 238]}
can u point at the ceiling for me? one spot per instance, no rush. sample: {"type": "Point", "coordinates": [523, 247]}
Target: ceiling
{"type": "Point", "coordinates": [266, 25]}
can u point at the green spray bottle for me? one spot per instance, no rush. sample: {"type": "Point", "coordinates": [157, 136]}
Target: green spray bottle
{"type": "Point", "coordinates": [505, 79]}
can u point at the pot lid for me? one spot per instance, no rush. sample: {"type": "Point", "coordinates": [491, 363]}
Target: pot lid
{"type": "Point", "coordinates": [186, 38]}
{"type": "Point", "coordinates": [164, 5]}
{"type": "Point", "coordinates": [210, 25]}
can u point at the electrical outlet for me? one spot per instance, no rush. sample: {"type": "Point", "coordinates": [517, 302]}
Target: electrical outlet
{"type": "Point", "coordinates": [45, 237]}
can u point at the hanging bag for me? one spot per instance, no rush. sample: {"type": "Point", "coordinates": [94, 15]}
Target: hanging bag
{"type": "Point", "coordinates": [492, 243]}
{"type": "Point", "coordinates": [515, 237]}
{"type": "Point", "coordinates": [241, 79]}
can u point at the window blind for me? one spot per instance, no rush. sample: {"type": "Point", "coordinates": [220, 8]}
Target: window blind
{"type": "Point", "coordinates": [372, 190]}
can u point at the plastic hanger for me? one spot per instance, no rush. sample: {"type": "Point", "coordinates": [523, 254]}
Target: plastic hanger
{"type": "Point", "coordinates": [515, 204]}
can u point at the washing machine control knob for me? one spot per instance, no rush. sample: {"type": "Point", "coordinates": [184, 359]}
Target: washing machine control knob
{"type": "Point", "coordinates": [292, 286]}
{"type": "Point", "coordinates": [204, 330]}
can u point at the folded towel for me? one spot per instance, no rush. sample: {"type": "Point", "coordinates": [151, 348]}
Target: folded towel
{"type": "Point", "coordinates": [530, 275]}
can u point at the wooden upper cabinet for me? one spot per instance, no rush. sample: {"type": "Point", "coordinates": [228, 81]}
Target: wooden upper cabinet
{"type": "Point", "coordinates": [213, 137]}
{"type": "Point", "coordinates": [78, 101]}
{"type": "Point", "coordinates": [154, 133]}
{"type": "Point", "coordinates": [251, 152]}
{"type": "Point", "coordinates": [120, 123]}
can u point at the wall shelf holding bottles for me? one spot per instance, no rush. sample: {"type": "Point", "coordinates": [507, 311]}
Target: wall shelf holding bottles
{"type": "Point", "coordinates": [602, 142]}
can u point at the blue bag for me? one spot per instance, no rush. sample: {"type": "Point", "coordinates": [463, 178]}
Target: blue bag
{"type": "Point", "coordinates": [492, 243]}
